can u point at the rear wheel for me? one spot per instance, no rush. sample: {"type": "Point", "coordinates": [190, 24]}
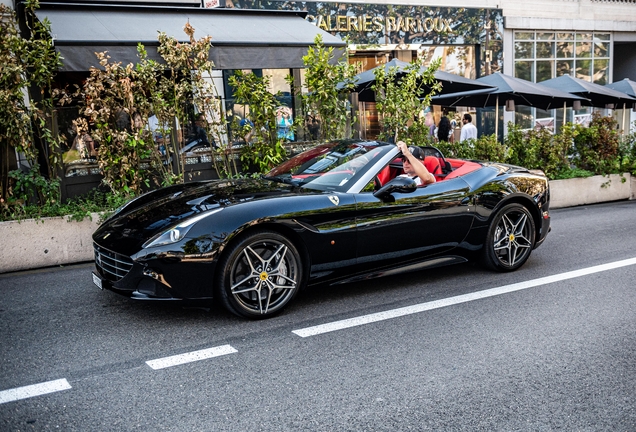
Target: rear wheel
{"type": "Point", "coordinates": [259, 275]}
{"type": "Point", "coordinates": [510, 238]}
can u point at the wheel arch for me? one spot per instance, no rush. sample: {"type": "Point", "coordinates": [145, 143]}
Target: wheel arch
{"type": "Point", "coordinates": [528, 203]}
{"type": "Point", "coordinates": [280, 228]}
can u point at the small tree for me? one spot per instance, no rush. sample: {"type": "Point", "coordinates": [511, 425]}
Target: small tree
{"type": "Point", "coordinates": [329, 85]}
{"type": "Point", "coordinates": [266, 148]}
{"type": "Point", "coordinates": [400, 98]}
{"type": "Point", "coordinates": [25, 117]}
{"type": "Point", "coordinates": [597, 146]}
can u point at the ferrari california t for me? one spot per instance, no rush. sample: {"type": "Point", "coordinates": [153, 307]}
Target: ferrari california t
{"type": "Point", "coordinates": [339, 212]}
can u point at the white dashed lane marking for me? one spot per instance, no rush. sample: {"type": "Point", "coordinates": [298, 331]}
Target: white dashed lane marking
{"type": "Point", "coordinates": [33, 390]}
{"type": "Point", "coordinates": [409, 310]}
{"type": "Point", "coordinates": [193, 356]}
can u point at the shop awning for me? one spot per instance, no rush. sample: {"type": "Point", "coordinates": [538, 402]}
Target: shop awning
{"type": "Point", "coordinates": [241, 39]}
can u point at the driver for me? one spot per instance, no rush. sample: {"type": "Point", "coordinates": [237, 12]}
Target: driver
{"type": "Point", "coordinates": [413, 164]}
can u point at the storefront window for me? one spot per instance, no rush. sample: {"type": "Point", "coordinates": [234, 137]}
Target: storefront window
{"type": "Point", "coordinates": [545, 70]}
{"type": "Point", "coordinates": [524, 70]}
{"type": "Point", "coordinates": [564, 67]}
{"type": "Point", "coordinates": [601, 68]}
{"type": "Point", "coordinates": [565, 49]}
{"type": "Point", "coordinates": [583, 49]}
{"type": "Point", "coordinates": [523, 116]}
{"type": "Point", "coordinates": [582, 55]}
{"type": "Point", "coordinates": [545, 50]}
{"type": "Point", "coordinates": [524, 35]}
{"type": "Point", "coordinates": [545, 36]}
{"type": "Point", "coordinates": [284, 113]}
{"type": "Point", "coordinates": [584, 69]}
{"type": "Point", "coordinates": [524, 50]}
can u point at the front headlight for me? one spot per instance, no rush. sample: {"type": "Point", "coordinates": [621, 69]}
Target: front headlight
{"type": "Point", "coordinates": [177, 232]}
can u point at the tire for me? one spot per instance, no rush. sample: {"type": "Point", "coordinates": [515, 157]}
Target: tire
{"type": "Point", "coordinates": [259, 275]}
{"type": "Point", "coordinates": [510, 238]}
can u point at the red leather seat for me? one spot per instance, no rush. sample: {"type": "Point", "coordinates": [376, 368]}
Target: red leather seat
{"type": "Point", "coordinates": [433, 166]}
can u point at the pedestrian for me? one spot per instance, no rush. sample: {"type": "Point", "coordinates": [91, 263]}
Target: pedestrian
{"type": "Point", "coordinates": [469, 131]}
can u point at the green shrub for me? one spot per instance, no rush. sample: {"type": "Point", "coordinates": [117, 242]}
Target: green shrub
{"type": "Point", "coordinates": [597, 146]}
{"type": "Point", "coordinates": [488, 148]}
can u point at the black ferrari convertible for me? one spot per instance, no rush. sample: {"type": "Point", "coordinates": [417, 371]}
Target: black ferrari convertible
{"type": "Point", "coordinates": [339, 212]}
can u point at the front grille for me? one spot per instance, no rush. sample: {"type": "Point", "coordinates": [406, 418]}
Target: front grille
{"type": "Point", "coordinates": [113, 266]}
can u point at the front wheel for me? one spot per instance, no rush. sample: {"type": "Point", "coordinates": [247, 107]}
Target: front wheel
{"type": "Point", "coordinates": [510, 238]}
{"type": "Point", "coordinates": [259, 275]}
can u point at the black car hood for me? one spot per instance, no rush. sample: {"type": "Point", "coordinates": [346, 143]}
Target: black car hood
{"type": "Point", "coordinates": [153, 213]}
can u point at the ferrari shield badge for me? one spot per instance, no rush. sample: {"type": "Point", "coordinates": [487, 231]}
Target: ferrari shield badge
{"type": "Point", "coordinates": [334, 199]}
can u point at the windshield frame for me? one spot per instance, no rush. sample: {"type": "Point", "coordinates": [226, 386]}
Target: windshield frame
{"type": "Point", "coordinates": [352, 182]}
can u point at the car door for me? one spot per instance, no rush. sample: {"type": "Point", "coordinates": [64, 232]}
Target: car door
{"type": "Point", "coordinates": [413, 226]}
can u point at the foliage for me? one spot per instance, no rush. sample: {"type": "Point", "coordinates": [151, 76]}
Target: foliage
{"type": "Point", "coordinates": [187, 76]}
{"type": "Point", "coordinates": [265, 149]}
{"type": "Point", "coordinates": [75, 209]}
{"type": "Point", "coordinates": [26, 64]}
{"type": "Point", "coordinates": [120, 100]}
{"type": "Point", "coordinates": [328, 86]}
{"type": "Point", "coordinates": [461, 150]}
{"type": "Point", "coordinates": [485, 148]}
{"type": "Point", "coordinates": [569, 173]}
{"type": "Point", "coordinates": [597, 146]}
{"type": "Point", "coordinates": [398, 94]}
{"type": "Point", "coordinates": [117, 103]}
{"type": "Point", "coordinates": [627, 153]}
{"type": "Point", "coordinates": [488, 148]}
{"type": "Point", "coordinates": [540, 149]}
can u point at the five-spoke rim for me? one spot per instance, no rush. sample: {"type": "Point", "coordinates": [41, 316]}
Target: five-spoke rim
{"type": "Point", "coordinates": [264, 276]}
{"type": "Point", "coordinates": [512, 240]}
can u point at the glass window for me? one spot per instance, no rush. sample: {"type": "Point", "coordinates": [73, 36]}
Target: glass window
{"type": "Point", "coordinates": [565, 36]}
{"type": "Point", "coordinates": [524, 70]}
{"type": "Point", "coordinates": [565, 49]}
{"type": "Point", "coordinates": [565, 67]}
{"type": "Point", "coordinates": [524, 50]}
{"type": "Point", "coordinates": [602, 36]}
{"type": "Point", "coordinates": [545, 70]}
{"type": "Point", "coordinates": [584, 69]}
{"type": "Point", "coordinates": [583, 36]}
{"type": "Point", "coordinates": [600, 49]}
{"type": "Point", "coordinates": [545, 50]}
{"type": "Point", "coordinates": [601, 68]}
{"type": "Point", "coordinates": [545, 36]}
{"type": "Point", "coordinates": [524, 35]}
{"type": "Point", "coordinates": [583, 49]}
{"type": "Point", "coordinates": [523, 117]}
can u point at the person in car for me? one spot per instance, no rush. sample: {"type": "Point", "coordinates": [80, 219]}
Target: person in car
{"type": "Point", "coordinates": [413, 164]}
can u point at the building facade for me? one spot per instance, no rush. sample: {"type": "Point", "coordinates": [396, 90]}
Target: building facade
{"type": "Point", "coordinates": [594, 40]}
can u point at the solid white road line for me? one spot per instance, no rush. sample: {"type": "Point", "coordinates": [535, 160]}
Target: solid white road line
{"type": "Point", "coordinates": [33, 390]}
{"type": "Point", "coordinates": [394, 313]}
{"type": "Point", "coordinates": [190, 357]}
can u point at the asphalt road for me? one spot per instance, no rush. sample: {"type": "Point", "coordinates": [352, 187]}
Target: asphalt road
{"type": "Point", "coordinates": [550, 354]}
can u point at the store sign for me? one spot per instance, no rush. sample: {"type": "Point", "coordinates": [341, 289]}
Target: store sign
{"type": "Point", "coordinates": [365, 23]}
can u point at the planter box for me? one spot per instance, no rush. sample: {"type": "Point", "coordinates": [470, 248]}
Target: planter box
{"type": "Point", "coordinates": [35, 243]}
{"type": "Point", "coordinates": [590, 190]}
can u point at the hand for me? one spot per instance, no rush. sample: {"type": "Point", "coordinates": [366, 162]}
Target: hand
{"type": "Point", "coordinates": [403, 148]}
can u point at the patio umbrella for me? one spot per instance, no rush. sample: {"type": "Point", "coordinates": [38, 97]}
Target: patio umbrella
{"type": "Point", "coordinates": [626, 86]}
{"type": "Point", "coordinates": [508, 88]}
{"type": "Point", "coordinates": [451, 83]}
{"type": "Point", "coordinates": [598, 96]}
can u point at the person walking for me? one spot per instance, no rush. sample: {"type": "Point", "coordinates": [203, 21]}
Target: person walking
{"type": "Point", "coordinates": [469, 131]}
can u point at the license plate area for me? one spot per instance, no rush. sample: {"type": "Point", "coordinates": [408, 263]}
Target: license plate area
{"type": "Point", "coordinates": [97, 281]}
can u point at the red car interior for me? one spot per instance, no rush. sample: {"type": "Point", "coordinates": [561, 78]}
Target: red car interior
{"type": "Point", "coordinates": [454, 168]}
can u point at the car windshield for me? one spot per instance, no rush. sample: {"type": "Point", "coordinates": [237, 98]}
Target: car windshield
{"type": "Point", "coordinates": [330, 166]}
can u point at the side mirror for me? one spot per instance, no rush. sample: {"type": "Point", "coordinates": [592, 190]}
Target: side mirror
{"type": "Point", "coordinates": [398, 184]}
